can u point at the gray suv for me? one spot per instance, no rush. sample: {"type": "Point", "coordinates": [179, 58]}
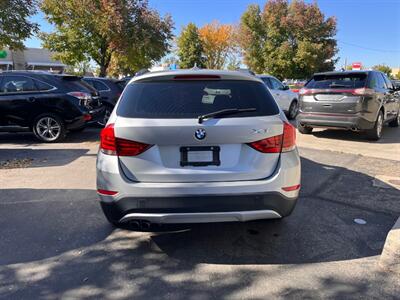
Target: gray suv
{"type": "Point", "coordinates": [354, 100]}
{"type": "Point", "coordinates": [194, 146]}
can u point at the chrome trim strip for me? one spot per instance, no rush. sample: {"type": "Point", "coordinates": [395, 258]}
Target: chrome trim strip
{"type": "Point", "coordinates": [204, 217]}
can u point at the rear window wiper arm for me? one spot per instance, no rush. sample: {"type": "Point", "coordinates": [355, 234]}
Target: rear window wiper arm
{"type": "Point", "coordinates": [224, 112]}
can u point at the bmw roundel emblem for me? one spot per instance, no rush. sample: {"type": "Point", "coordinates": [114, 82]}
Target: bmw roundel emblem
{"type": "Point", "coordinates": [200, 134]}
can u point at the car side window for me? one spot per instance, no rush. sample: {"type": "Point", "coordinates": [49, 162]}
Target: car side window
{"type": "Point", "coordinates": [267, 82]}
{"type": "Point", "coordinates": [41, 86]}
{"type": "Point", "coordinates": [377, 81]}
{"type": "Point", "coordinates": [380, 81]}
{"type": "Point", "coordinates": [15, 84]}
{"type": "Point", "coordinates": [373, 82]}
{"type": "Point", "coordinates": [276, 85]}
{"type": "Point", "coordinates": [100, 86]}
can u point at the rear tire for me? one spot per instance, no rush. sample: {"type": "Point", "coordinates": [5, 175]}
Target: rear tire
{"type": "Point", "coordinates": [49, 128]}
{"type": "Point", "coordinates": [395, 122]}
{"type": "Point", "coordinates": [375, 133]}
{"type": "Point", "coordinates": [304, 129]}
{"type": "Point", "coordinates": [293, 110]}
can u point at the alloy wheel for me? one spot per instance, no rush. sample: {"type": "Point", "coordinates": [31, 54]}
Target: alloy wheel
{"type": "Point", "coordinates": [48, 128]}
{"type": "Point", "coordinates": [379, 125]}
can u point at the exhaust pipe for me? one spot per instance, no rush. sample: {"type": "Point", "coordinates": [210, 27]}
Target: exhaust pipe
{"type": "Point", "coordinates": [145, 225]}
{"type": "Point", "coordinates": [134, 224]}
{"type": "Point", "coordinates": [354, 129]}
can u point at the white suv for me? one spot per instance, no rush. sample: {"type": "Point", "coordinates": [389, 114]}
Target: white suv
{"type": "Point", "coordinates": [194, 146]}
{"type": "Point", "coordinates": [286, 99]}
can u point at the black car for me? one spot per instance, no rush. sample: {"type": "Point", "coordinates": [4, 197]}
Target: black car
{"type": "Point", "coordinates": [355, 100]}
{"type": "Point", "coordinates": [48, 104]}
{"type": "Point", "coordinates": [109, 91]}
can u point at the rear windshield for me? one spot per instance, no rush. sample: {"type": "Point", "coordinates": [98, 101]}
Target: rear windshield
{"type": "Point", "coordinates": [189, 99]}
{"type": "Point", "coordinates": [339, 81]}
{"type": "Point", "coordinates": [76, 84]}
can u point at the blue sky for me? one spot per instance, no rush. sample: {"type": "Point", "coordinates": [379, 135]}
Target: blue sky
{"type": "Point", "coordinates": [368, 30]}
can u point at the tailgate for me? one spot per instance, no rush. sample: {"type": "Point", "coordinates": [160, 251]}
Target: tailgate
{"type": "Point", "coordinates": [169, 137]}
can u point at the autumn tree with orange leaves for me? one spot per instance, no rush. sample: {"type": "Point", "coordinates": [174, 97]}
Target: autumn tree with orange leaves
{"type": "Point", "coordinates": [218, 43]}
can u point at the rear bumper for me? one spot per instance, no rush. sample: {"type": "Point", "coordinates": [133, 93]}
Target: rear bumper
{"type": "Point", "coordinates": [193, 202]}
{"type": "Point", "coordinates": [345, 121]}
{"type": "Point", "coordinates": [200, 209]}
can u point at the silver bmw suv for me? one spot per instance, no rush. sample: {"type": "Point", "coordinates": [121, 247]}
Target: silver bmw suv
{"type": "Point", "coordinates": [195, 146]}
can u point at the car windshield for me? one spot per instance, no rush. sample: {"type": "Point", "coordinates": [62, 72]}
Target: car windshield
{"type": "Point", "coordinates": [189, 99]}
{"type": "Point", "coordinates": [334, 81]}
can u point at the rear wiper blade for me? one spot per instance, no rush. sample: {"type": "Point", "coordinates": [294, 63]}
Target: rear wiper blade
{"type": "Point", "coordinates": [224, 112]}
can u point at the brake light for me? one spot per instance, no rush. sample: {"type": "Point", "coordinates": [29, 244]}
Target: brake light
{"type": "Point", "coordinates": [280, 143]}
{"type": "Point", "coordinates": [111, 145]}
{"type": "Point", "coordinates": [80, 95]}
{"type": "Point", "coordinates": [289, 137]}
{"type": "Point", "coordinates": [87, 117]}
{"type": "Point", "coordinates": [107, 140]}
{"type": "Point", "coordinates": [304, 91]}
{"type": "Point", "coordinates": [196, 77]}
{"type": "Point", "coordinates": [363, 92]}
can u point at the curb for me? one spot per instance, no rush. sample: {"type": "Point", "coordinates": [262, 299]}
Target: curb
{"type": "Point", "coordinates": [390, 257]}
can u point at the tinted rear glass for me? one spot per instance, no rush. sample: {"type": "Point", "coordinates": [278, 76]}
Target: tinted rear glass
{"type": "Point", "coordinates": [189, 99]}
{"type": "Point", "coordinates": [77, 85]}
{"type": "Point", "coordinates": [339, 81]}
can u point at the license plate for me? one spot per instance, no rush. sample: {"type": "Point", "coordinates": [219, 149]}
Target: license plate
{"type": "Point", "coordinates": [200, 156]}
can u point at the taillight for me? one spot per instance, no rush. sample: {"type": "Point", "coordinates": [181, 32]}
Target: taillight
{"type": "Point", "coordinates": [289, 137]}
{"type": "Point", "coordinates": [107, 140]}
{"type": "Point", "coordinates": [111, 145]}
{"type": "Point", "coordinates": [87, 117]}
{"type": "Point", "coordinates": [80, 95]}
{"type": "Point", "coordinates": [304, 91]}
{"type": "Point", "coordinates": [280, 143]}
{"type": "Point", "coordinates": [363, 92]}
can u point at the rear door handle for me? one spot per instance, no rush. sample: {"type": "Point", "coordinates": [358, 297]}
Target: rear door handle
{"type": "Point", "coordinates": [31, 99]}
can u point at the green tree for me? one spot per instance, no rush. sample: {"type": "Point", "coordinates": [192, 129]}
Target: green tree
{"type": "Point", "coordinates": [384, 69]}
{"type": "Point", "coordinates": [289, 40]}
{"type": "Point", "coordinates": [125, 32]}
{"type": "Point", "coordinates": [190, 47]}
{"type": "Point", "coordinates": [15, 25]}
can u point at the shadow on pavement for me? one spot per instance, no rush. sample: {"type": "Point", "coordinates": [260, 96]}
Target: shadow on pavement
{"type": "Point", "coordinates": [39, 223]}
{"type": "Point", "coordinates": [90, 134]}
{"type": "Point", "coordinates": [56, 224]}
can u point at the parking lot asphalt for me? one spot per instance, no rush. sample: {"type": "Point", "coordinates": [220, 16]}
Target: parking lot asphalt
{"type": "Point", "coordinates": [55, 242]}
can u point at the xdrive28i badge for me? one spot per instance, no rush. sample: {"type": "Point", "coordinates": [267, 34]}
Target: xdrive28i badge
{"type": "Point", "coordinates": [200, 134]}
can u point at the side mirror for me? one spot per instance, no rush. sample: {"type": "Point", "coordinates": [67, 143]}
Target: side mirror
{"type": "Point", "coordinates": [285, 88]}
